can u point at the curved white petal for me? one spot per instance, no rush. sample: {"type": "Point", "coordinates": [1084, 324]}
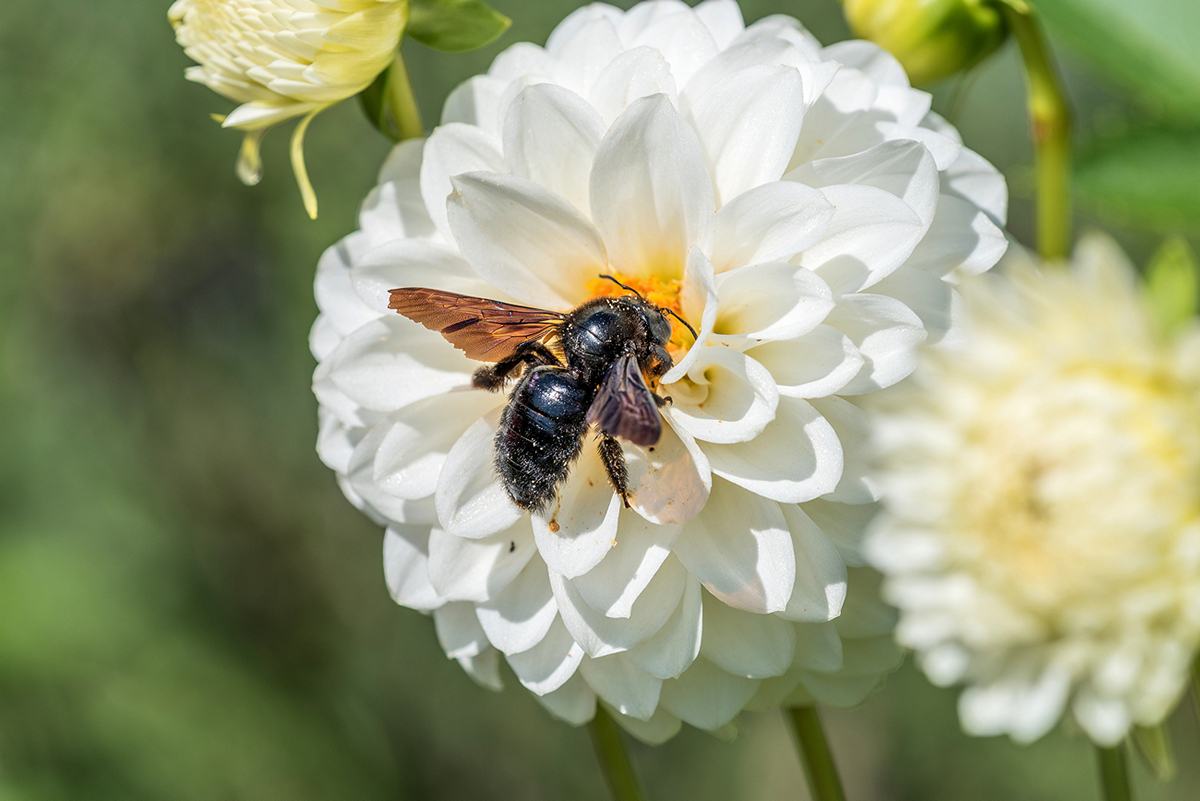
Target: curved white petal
{"type": "Point", "coordinates": [413, 262]}
{"type": "Point", "coordinates": [698, 299]}
{"type": "Point", "coordinates": [817, 364]}
{"type": "Point", "coordinates": [546, 666]}
{"type": "Point", "coordinates": [483, 668]}
{"type": "Point", "coordinates": [651, 195]}
{"type": "Point", "coordinates": [476, 101]}
{"type": "Point", "coordinates": [871, 234]}
{"type": "Point", "coordinates": [746, 644]}
{"type": "Point", "coordinates": [972, 178]}
{"type": "Point", "coordinates": [845, 525]}
{"type": "Point", "coordinates": [396, 208]}
{"type": "Point", "coordinates": [524, 239]}
{"type": "Point", "coordinates": [962, 241]}
{"type": "Point", "coordinates": [520, 615]}
{"type": "Point", "coordinates": [581, 527]}
{"type": "Point", "coordinates": [632, 75]}
{"type": "Point", "coordinates": [471, 502]}
{"type": "Point", "coordinates": [600, 635]}
{"type": "Point", "coordinates": [668, 481]}
{"type": "Point", "coordinates": [677, 644]}
{"type": "Point", "coordinates": [406, 568]}
{"type": "Point", "coordinates": [850, 424]}
{"type": "Point", "coordinates": [681, 37]}
{"type": "Point", "coordinates": [741, 550]}
{"type": "Point", "coordinates": [796, 458]}
{"type": "Point", "coordinates": [773, 300]}
{"type": "Point", "coordinates": [934, 301]}
{"type": "Point", "coordinates": [660, 727]}
{"type": "Point", "coordinates": [622, 685]}
{"type": "Point", "coordinates": [458, 632]}
{"type": "Point", "coordinates": [706, 696]}
{"type": "Point", "coordinates": [462, 569]}
{"type": "Point", "coordinates": [550, 137]}
{"type": "Point", "coordinates": [818, 647]}
{"type": "Point", "coordinates": [574, 702]}
{"type": "Point", "coordinates": [772, 222]}
{"type": "Point", "coordinates": [731, 397]}
{"type": "Point", "coordinates": [612, 586]}
{"type": "Point", "coordinates": [887, 334]}
{"type": "Point", "coordinates": [723, 19]}
{"type": "Point", "coordinates": [452, 150]}
{"type": "Point", "coordinates": [821, 580]}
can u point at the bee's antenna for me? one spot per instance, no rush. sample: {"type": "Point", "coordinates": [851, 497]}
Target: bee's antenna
{"type": "Point", "coordinates": [685, 323]}
{"type": "Point", "coordinates": [626, 288]}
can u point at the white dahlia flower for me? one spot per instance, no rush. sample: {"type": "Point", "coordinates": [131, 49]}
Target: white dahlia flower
{"type": "Point", "coordinates": [1042, 491]}
{"type": "Point", "coordinates": [285, 58]}
{"type": "Point", "coordinates": [803, 209]}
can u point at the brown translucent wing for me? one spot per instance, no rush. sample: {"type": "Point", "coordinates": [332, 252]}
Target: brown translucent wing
{"type": "Point", "coordinates": [486, 330]}
{"type": "Point", "coordinates": [624, 406]}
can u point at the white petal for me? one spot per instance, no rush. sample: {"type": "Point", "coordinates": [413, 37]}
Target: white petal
{"type": "Point", "coordinates": [741, 550]}
{"type": "Point", "coordinates": [464, 569]}
{"type": "Point", "coordinates": [520, 616]}
{"type": "Point", "coordinates": [452, 150]}
{"type": "Point", "coordinates": [360, 473]}
{"type": "Point", "coordinates": [817, 364]}
{"type": "Point", "coordinates": [524, 239]}
{"type": "Point", "coordinates": [661, 726]}
{"type": "Point", "coordinates": [973, 179]}
{"type": "Point", "coordinates": [411, 454]}
{"type": "Point", "coordinates": [681, 37]}
{"type": "Point", "coordinates": [871, 234]}
{"type": "Point", "coordinates": [850, 424]}
{"type": "Point", "coordinates": [818, 647]}
{"type": "Point", "coordinates": [651, 195]}
{"type": "Point", "coordinates": [621, 684]}
{"type": "Point", "coordinates": [483, 668]}
{"type": "Point", "coordinates": [413, 262]}
{"type": "Point", "coordinates": [887, 334]}
{"type": "Point", "coordinates": [732, 398]}
{"type": "Point", "coordinates": [821, 582]}
{"type": "Point", "coordinates": [600, 635]}
{"type": "Point", "coordinates": [567, 32]}
{"type": "Point", "coordinates": [458, 631]}
{"type": "Point", "coordinates": [634, 74]}
{"type": "Point", "coordinates": [933, 300]}
{"type": "Point", "coordinates": [746, 644]}
{"type": "Point", "coordinates": [471, 502]}
{"type": "Point", "coordinates": [796, 458]}
{"type": "Point", "coordinates": [904, 168]}
{"type": "Point", "coordinates": [406, 567]}
{"type": "Point", "coordinates": [834, 689]}
{"type": "Point", "coordinates": [574, 702]}
{"type": "Point", "coordinates": [612, 586]}
{"type": "Point", "coordinates": [476, 101]}
{"type": "Point", "coordinates": [698, 299]}
{"type": "Point", "coordinates": [771, 222]}
{"type": "Point", "coordinates": [864, 613]}
{"type": "Point", "coordinates": [547, 666]}
{"type": "Point", "coordinates": [774, 300]}
{"type": "Point", "coordinates": [669, 481]}
{"type": "Point", "coordinates": [723, 18]}
{"type": "Point", "coordinates": [581, 527]}
{"type": "Point", "coordinates": [1106, 720]}
{"type": "Point", "coordinates": [962, 241]}
{"type": "Point", "coordinates": [748, 122]}
{"type": "Point", "coordinates": [392, 362]}
{"type": "Point", "coordinates": [585, 54]}
{"type": "Point", "coordinates": [677, 644]}
{"type": "Point", "coordinates": [706, 696]}
{"type": "Point", "coordinates": [550, 137]}
{"type": "Point", "coordinates": [395, 208]}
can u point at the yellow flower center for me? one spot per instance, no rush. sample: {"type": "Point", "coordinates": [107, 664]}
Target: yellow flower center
{"type": "Point", "coordinates": [662, 292]}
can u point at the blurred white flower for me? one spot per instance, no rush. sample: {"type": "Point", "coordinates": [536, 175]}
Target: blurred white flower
{"type": "Point", "coordinates": [285, 58]}
{"type": "Point", "coordinates": [802, 208]}
{"type": "Point", "coordinates": [1042, 491]}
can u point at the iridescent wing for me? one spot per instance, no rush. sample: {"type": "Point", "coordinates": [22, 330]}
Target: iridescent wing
{"type": "Point", "coordinates": [485, 330]}
{"type": "Point", "coordinates": [624, 406]}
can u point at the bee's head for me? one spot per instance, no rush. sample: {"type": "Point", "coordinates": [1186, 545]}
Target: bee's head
{"type": "Point", "coordinates": [654, 316]}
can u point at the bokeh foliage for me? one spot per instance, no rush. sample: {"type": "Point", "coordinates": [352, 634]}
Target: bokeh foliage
{"type": "Point", "coordinates": [188, 607]}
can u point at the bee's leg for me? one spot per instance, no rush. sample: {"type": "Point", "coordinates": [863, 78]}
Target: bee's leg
{"type": "Point", "coordinates": [532, 353]}
{"type": "Point", "coordinates": [614, 463]}
{"type": "Point", "coordinates": [661, 401]}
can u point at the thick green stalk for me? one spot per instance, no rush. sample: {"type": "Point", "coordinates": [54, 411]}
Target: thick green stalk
{"type": "Point", "coordinates": [1050, 119]}
{"type": "Point", "coordinates": [814, 751]}
{"type": "Point", "coordinates": [402, 101]}
{"type": "Point", "coordinates": [614, 759]}
{"type": "Point", "coordinates": [1114, 775]}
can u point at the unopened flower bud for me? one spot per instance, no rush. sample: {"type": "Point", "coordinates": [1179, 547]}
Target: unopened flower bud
{"type": "Point", "coordinates": [931, 38]}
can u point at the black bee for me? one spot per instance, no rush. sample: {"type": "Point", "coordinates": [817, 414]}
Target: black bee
{"type": "Point", "coordinates": [586, 367]}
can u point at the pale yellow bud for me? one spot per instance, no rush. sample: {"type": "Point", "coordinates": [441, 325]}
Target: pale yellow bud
{"type": "Point", "coordinates": [931, 38]}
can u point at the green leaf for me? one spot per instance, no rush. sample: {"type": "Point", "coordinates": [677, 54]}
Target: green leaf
{"type": "Point", "coordinates": [455, 25]}
{"type": "Point", "coordinates": [373, 99]}
{"type": "Point", "coordinates": [1148, 178]}
{"type": "Point", "coordinates": [1173, 285]}
{"type": "Point", "coordinates": [1154, 747]}
{"type": "Point", "coordinates": [1150, 46]}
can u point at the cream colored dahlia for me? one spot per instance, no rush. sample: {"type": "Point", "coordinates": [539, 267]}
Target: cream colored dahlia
{"type": "Point", "coordinates": [1042, 485]}
{"type": "Point", "coordinates": [802, 209]}
{"type": "Point", "coordinates": [285, 58]}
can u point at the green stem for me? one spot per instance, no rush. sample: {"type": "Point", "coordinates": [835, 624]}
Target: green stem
{"type": "Point", "coordinates": [1196, 687]}
{"type": "Point", "coordinates": [1050, 119]}
{"type": "Point", "coordinates": [814, 751]}
{"type": "Point", "coordinates": [614, 759]}
{"type": "Point", "coordinates": [1114, 775]}
{"type": "Point", "coordinates": [402, 101]}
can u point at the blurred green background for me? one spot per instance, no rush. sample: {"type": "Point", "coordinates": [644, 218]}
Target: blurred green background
{"type": "Point", "coordinates": [190, 610]}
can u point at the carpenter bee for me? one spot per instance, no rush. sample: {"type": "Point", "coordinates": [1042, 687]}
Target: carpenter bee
{"type": "Point", "coordinates": [585, 367]}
